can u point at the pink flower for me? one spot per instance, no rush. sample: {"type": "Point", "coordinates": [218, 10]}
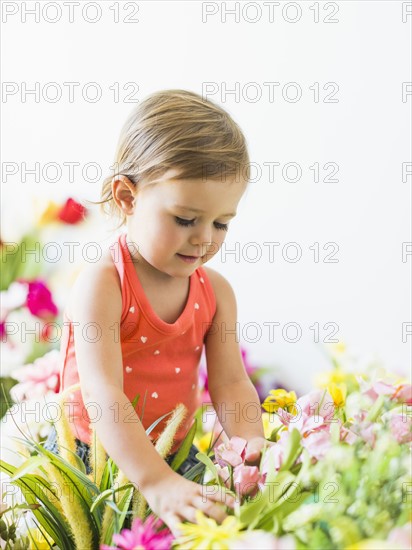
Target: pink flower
{"type": "Point", "coordinates": [347, 436]}
{"type": "Point", "coordinates": [246, 479]}
{"type": "Point", "coordinates": [317, 444]}
{"type": "Point", "coordinates": [401, 537]}
{"type": "Point", "coordinates": [143, 535]}
{"type": "Point", "coordinates": [317, 403]}
{"type": "Point", "coordinates": [276, 453]}
{"type": "Point", "coordinates": [403, 394]}
{"type": "Point", "coordinates": [39, 300]}
{"type": "Point", "coordinates": [366, 430]}
{"type": "Point", "coordinates": [401, 427]}
{"type": "Point", "coordinates": [309, 424]}
{"type": "Point", "coordinates": [224, 475]}
{"type": "Point", "coordinates": [37, 379]}
{"type": "Point", "coordinates": [231, 453]}
{"type": "Point", "coordinates": [286, 417]}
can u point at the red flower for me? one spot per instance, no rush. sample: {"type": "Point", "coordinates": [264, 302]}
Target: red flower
{"type": "Point", "coordinates": [72, 212]}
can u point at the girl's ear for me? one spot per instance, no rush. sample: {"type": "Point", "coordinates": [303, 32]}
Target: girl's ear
{"type": "Point", "coordinates": [123, 192]}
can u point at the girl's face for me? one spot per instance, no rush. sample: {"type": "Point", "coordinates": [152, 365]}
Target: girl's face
{"type": "Point", "coordinates": [178, 225]}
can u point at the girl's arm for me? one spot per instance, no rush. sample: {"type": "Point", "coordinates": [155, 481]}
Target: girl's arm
{"type": "Point", "coordinates": [234, 397]}
{"type": "Point", "coordinates": [97, 299]}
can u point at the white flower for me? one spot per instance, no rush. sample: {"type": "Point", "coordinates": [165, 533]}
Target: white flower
{"type": "Point", "coordinates": [12, 298]}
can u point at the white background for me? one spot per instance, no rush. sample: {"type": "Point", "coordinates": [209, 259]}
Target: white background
{"type": "Point", "coordinates": [177, 45]}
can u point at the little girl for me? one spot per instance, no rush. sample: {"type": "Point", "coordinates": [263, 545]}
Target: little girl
{"type": "Point", "coordinates": [137, 321]}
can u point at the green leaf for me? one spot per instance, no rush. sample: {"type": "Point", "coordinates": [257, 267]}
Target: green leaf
{"type": "Point", "coordinates": [84, 489]}
{"type": "Point", "coordinates": [252, 512]}
{"type": "Point", "coordinates": [195, 473]}
{"type": "Point", "coordinates": [156, 422]}
{"type": "Point", "coordinates": [121, 510]}
{"type": "Point", "coordinates": [293, 450]}
{"type": "Point", "coordinates": [109, 473]}
{"type": "Point", "coordinates": [335, 431]}
{"type": "Point", "coordinates": [48, 516]}
{"type": "Point", "coordinates": [376, 409]}
{"type": "Point", "coordinates": [184, 449]}
{"type": "Point", "coordinates": [209, 465]}
{"type": "Point", "coordinates": [28, 466]}
{"type": "Point", "coordinates": [105, 496]}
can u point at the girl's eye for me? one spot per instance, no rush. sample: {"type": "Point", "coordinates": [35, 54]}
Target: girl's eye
{"type": "Point", "coordinates": [183, 222]}
{"type": "Point", "coordinates": [222, 226]}
{"type": "Point", "coordinates": [187, 223]}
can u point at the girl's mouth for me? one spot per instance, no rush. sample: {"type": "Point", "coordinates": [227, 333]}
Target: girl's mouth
{"type": "Point", "coordinates": [188, 259]}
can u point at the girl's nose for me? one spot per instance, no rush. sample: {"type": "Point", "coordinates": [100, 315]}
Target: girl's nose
{"type": "Point", "coordinates": [202, 235]}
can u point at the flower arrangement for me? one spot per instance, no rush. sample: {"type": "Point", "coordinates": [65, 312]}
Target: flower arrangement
{"type": "Point", "coordinates": [336, 474]}
{"type": "Point", "coordinates": [29, 307]}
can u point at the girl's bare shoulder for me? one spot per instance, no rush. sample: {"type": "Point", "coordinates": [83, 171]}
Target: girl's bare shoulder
{"type": "Point", "coordinates": [217, 280]}
{"type": "Point", "coordinates": [96, 286]}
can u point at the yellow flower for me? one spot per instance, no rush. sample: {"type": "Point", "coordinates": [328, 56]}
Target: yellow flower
{"type": "Point", "coordinates": [338, 348]}
{"type": "Point", "coordinates": [49, 214]}
{"type": "Point", "coordinates": [371, 544]}
{"type": "Point", "coordinates": [37, 540]}
{"type": "Point", "coordinates": [207, 534]}
{"type": "Point", "coordinates": [337, 376]}
{"type": "Point", "coordinates": [280, 399]}
{"type": "Point", "coordinates": [270, 423]}
{"type": "Point", "coordinates": [338, 394]}
{"type": "Point", "coordinates": [203, 443]}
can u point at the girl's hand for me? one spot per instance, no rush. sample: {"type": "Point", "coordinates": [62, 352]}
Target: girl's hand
{"type": "Point", "coordinates": [176, 499]}
{"type": "Point", "coordinates": [254, 448]}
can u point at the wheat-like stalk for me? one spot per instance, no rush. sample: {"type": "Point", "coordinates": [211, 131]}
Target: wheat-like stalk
{"type": "Point", "coordinates": [77, 518]}
{"type": "Point", "coordinates": [164, 442]}
{"type": "Point", "coordinates": [163, 447]}
{"type": "Point", "coordinates": [97, 457]}
{"type": "Point", "coordinates": [65, 437]}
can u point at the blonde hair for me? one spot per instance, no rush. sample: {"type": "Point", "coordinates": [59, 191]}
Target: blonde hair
{"type": "Point", "coordinates": [177, 129]}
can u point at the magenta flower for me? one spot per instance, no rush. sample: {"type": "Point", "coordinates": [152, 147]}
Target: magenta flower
{"type": "Point", "coordinates": [39, 300]}
{"type": "Point", "coordinates": [143, 535]}
{"type": "Point", "coordinates": [401, 427]}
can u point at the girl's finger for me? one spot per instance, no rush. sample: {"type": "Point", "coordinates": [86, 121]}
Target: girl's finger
{"type": "Point", "coordinates": [213, 510]}
{"type": "Point", "coordinates": [189, 513]}
{"type": "Point", "coordinates": [217, 494]}
{"type": "Point", "coordinates": [173, 521]}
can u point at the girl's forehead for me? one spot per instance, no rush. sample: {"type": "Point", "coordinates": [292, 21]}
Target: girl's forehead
{"type": "Point", "coordinates": [201, 195]}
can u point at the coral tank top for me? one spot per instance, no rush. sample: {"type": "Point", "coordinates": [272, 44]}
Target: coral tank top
{"type": "Point", "coordinates": [160, 360]}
